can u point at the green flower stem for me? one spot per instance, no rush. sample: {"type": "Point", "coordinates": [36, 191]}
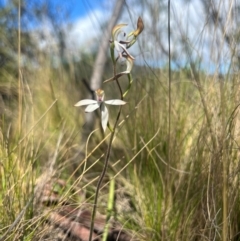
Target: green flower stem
{"type": "Point", "coordinates": [130, 80]}
{"type": "Point", "coordinates": [112, 52]}
{"type": "Point", "coordinates": [109, 208]}
{"type": "Point", "coordinates": [107, 157]}
{"type": "Point", "coordinates": [109, 127]}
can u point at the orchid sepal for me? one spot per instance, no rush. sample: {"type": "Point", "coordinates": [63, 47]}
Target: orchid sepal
{"type": "Point", "coordinates": [115, 102]}
{"type": "Point", "coordinates": [85, 102]}
{"type": "Point", "coordinates": [117, 30]}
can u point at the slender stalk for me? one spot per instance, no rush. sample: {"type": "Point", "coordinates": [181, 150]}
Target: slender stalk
{"type": "Point", "coordinates": [109, 208]}
{"type": "Point", "coordinates": [224, 165]}
{"type": "Point", "coordinates": [169, 121]}
{"type": "Point", "coordinates": [19, 82]}
{"type": "Point", "coordinates": [19, 70]}
{"type": "Point", "coordinates": [169, 88]}
{"type": "Point", "coordinates": [106, 159]}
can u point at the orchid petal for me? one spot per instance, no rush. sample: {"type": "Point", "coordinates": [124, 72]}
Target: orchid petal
{"type": "Point", "coordinates": [116, 30]}
{"type": "Point", "coordinates": [117, 45]}
{"type": "Point", "coordinates": [85, 102]}
{"type": "Point", "coordinates": [91, 108]}
{"type": "Point", "coordinates": [115, 102]}
{"type": "Point", "coordinates": [104, 116]}
{"type": "Point", "coordinates": [129, 64]}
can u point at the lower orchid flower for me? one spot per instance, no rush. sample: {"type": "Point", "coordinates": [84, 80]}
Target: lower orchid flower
{"type": "Point", "coordinates": [100, 103]}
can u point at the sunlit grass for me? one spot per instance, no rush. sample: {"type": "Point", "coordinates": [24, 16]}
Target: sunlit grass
{"type": "Point", "coordinates": [177, 199]}
{"type": "Point", "coordinates": [186, 199]}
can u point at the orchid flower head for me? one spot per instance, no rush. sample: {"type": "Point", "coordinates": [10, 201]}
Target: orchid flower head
{"type": "Point", "coordinates": [119, 45]}
{"type": "Point", "coordinates": [100, 103]}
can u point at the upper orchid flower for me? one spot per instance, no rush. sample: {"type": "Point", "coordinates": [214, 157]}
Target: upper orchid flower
{"type": "Point", "coordinates": [119, 45]}
{"type": "Point", "coordinates": [100, 103]}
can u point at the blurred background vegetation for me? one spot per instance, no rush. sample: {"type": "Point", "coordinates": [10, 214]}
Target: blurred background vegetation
{"type": "Point", "coordinates": [175, 157]}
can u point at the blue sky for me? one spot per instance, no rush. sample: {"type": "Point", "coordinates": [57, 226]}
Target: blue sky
{"type": "Point", "coordinates": [76, 8]}
{"type": "Point", "coordinates": [188, 17]}
{"type": "Point", "coordinates": [80, 8]}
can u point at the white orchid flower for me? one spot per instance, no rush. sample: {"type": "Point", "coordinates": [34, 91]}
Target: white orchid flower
{"type": "Point", "coordinates": [100, 103]}
{"type": "Point", "coordinates": [119, 44]}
